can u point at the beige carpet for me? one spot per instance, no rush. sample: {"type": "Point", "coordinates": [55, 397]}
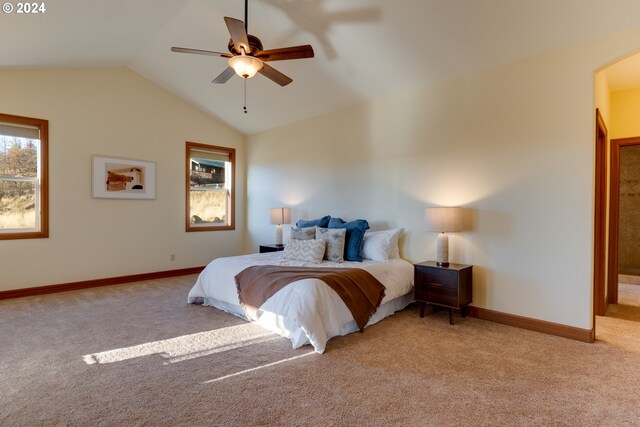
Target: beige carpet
{"type": "Point", "coordinates": [139, 355]}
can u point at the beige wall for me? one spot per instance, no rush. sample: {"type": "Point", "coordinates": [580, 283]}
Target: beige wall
{"type": "Point", "coordinates": [625, 114]}
{"type": "Point", "coordinates": [114, 112]}
{"type": "Point", "coordinates": [514, 145]}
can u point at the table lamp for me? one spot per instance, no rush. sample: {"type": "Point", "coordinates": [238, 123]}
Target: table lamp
{"type": "Point", "coordinates": [279, 216]}
{"type": "Point", "coordinates": [443, 220]}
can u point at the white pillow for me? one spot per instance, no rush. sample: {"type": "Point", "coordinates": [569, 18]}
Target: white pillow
{"type": "Point", "coordinates": [335, 238]}
{"type": "Point", "coordinates": [304, 250]}
{"type": "Point", "coordinates": [381, 245]}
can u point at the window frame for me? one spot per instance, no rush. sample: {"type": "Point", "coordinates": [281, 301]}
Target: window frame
{"type": "Point", "coordinates": [42, 183]}
{"type": "Point", "coordinates": [231, 223]}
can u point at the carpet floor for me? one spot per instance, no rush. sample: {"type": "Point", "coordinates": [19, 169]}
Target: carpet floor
{"type": "Point", "coordinates": [138, 354]}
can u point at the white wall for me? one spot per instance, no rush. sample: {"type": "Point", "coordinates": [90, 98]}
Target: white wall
{"type": "Point", "coordinates": [514, 145]}
{"type": "Point", "coordinates": [114, 112]}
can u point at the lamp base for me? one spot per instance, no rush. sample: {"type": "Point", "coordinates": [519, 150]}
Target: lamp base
{"type": "Point", "coordinates": [442, 250]}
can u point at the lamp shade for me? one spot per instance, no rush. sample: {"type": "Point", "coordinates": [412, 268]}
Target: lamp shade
{"type": "Point", "coordinates": [280, 216]}
{"type": "Point", "coordinates": [443, 220]}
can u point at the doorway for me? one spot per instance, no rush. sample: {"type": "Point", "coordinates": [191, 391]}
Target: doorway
{"type": "Point", "coordinates": [624, 218]}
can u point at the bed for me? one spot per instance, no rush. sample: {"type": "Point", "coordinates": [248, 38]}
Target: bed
{"type": "Point", "coordinates": [306, 311]}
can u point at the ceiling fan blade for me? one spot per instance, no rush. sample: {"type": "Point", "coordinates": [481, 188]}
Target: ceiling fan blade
{"type": "Point", "coordinates": [293, 52]}
{"type": "Point", "coordinates": [200, 52]}
{"type": "Point", "coordinates": [238, 33]}
{"type": "Point", "coordinates": [275, 75]}
{"type": "Point", "coordinates": [224, 76]}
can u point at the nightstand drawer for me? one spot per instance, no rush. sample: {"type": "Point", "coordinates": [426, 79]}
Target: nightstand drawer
{"type": "Point", "coordinates": [443, 296]}
{"type": "Point", "coordinates": [438, 279]}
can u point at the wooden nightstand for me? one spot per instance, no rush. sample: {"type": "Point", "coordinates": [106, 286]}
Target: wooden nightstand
{"type": "Point", "coordinates": [271, 248]}
{"type": "Point", "coordinates": [443, 286]}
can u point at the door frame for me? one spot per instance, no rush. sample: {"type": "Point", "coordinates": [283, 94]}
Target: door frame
{"type": "Point", "coordinates": [600, 220]}
{"type": "Point", "coordinates": [614, 214]}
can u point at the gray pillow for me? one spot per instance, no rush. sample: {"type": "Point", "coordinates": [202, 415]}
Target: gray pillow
{"type": "Point", "coordinates": [304, 250]}
{"type": "Point", "coordinates": [308, 233]}
{"type": "Point", "coordinates": [335, 242]}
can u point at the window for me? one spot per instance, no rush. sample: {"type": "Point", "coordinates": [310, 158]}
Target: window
{"type": "Point", "coordinates": [24, 199]}
{"type": "Point", "coordinates": [210, 187]}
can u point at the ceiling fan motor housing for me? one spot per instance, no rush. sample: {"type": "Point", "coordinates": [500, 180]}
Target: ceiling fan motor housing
{"type": "Point", "coordinates": [255, 46]}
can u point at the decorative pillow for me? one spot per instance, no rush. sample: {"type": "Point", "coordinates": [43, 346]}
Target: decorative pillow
{"type": "Point", "coordinates": [354, 237]}
{"type": "Point", "coordinates": [335, 243]}
{"type": "Point", "coordinates": [381, 245]}
{"type": "Point", "coordinates": [304, 250]}
{"type": "Point", "coordinates": [320, 222]}
{"type": "Point", "coordinates": [308, 233]}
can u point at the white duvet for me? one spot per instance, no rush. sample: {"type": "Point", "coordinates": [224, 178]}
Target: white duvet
{"type": "Point", "coordinates": [307, 311]}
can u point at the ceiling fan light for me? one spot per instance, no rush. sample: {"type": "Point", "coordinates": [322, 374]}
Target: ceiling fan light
{"type": "Point", "coordinates": [245, 66]}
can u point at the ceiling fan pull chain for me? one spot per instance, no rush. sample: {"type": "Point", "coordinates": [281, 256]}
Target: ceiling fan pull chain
{"type": "Point", "coordinates": [245, 96]}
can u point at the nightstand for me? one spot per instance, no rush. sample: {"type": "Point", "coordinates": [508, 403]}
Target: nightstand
{"type": "Point", "coordinates": [271, 248]}
{"type": "Point", "coordinates": [448, 287]}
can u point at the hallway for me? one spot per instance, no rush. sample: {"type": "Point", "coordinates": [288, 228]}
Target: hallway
{"type": "Point", "coordinates": [629, 290]}
{"type": "Point", "coordinates": [628, 307]}
{"type": "Point", "coordinates": [621, 325]}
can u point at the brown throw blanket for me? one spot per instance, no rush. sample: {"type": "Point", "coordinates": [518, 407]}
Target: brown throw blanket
{"type": "Point", "coordinates": [361, 292]}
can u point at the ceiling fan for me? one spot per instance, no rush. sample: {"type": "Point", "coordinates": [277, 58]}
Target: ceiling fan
{"type": "Point", "coordinates": [247, 56]}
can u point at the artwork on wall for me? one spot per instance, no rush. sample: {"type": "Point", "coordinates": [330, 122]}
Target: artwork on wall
{"type": "Point", "coordinates": [118, 178]}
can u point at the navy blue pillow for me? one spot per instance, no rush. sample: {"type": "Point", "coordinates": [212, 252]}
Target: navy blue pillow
{"type": "Point", "coordinates": [354, 236]}
{"type": "Point", "coordinates": [320, 222]}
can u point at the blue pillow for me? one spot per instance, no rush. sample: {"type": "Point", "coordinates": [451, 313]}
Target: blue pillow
{"type": "Point", "coordinates": [354, 236]}
{"type": "Point", "coordinates": [320, 222]}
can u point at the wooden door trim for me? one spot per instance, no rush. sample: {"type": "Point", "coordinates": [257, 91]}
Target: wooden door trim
{"type": "Point", "coordinates": [614, 214]}
{"type": "Point", "coordinates": [600, 218]}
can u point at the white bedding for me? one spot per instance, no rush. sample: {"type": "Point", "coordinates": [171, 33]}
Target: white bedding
{"type": "Point", "coordinates": [307, 311]}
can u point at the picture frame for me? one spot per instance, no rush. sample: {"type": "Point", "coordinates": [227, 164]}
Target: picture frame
{"type": "Point", "coordinates": [122, 178]}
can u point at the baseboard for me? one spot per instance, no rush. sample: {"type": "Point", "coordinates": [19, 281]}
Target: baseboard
{"type": "Point", "coordinates": [84, 284]}
{"type": "Point", "coordinates": [585, 335]}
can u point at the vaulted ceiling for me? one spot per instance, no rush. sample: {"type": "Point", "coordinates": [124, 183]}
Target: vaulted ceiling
{"type": "Point", "coordinates": [363, 48]}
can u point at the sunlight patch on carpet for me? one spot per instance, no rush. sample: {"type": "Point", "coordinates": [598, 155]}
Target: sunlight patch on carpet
{"type": "Point", "coordinates": [258, 367]}
{"type": "Point", "coordinates": [188, 347]}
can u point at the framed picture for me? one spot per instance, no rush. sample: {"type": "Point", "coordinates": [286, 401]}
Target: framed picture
{"type": "Point", "coordinates": [118, 178]}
